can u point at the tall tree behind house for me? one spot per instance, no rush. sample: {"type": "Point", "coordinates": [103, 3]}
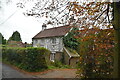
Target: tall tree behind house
{"type": "Point", "coordinates": [15, 36]}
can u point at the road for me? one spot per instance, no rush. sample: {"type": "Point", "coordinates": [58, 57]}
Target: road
{"type": "Point", "coordinates": [59, 73]}
{"type": "Point", "coordinates": [11, 72]}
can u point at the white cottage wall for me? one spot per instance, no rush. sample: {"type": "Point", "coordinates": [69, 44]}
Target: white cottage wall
{"type": "Point", "coordinates": [54, 44]}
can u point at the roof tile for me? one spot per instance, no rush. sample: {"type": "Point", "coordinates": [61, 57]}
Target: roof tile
{"type": "Point", "coordinates": [53, 32]}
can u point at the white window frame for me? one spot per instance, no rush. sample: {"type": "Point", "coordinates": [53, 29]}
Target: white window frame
{"type": "Point", "coordinates": [52, 56]}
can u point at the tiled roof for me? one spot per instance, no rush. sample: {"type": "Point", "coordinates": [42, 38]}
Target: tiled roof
{"type": "Point", "coordinates": [16, 44]}
{"type": "Point", "coordinates": [53, 32]}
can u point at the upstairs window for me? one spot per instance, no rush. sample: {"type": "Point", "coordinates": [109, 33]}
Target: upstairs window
{"type": "Point", "coordinates": [35, 41]}
{"type": "Point", "coordinates": [53, 40]}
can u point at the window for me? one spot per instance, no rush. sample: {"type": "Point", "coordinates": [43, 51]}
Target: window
{"type": "Point", "coordinates": [41, 45]}
{"type": "Point", "coordinates": [36, 41]}
{"type": "Point", "coordinates": [42, 41]}
{"type": "Point", "coordinates": [52, 57]}
{"type": "Point", "coordinates": [53, 40]}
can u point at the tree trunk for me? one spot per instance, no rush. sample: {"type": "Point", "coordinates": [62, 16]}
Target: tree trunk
{"type": "Point", "coordinates": [116, 23]}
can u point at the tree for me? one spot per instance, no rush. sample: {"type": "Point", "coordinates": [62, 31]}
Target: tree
{"type": "Point", "coordinates": [2, 40]}
{"type": "Point", "coordinates": [68, 12]}
{"type": "Point", "coordinates": [116, 24]}
{"type": "Point", "coordinates": [96, 52]}
{"type": "Point", "coordinates": [15, 36]}
{"type": "Point", "coordinates": [70, 41]}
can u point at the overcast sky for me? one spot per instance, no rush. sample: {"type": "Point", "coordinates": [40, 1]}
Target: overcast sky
{"type": "Point", "coordinates": [12, 19]}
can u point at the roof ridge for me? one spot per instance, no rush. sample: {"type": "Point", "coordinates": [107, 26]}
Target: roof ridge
{"type": "Point", "coordinates": [52, 32]}
{"type": "Point", "coordinates": [56, 27]}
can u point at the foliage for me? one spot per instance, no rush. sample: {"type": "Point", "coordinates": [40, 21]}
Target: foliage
{"type": "Point", "coordinates": [58, 64]}
{"type": "Point", "coordinates": [96, 51]}
{"type": "Point", "coordinates": [66, 12]}
{"type": "Point", "coordinates": [15, 36]}
{"type": "Point", "coordinates": [29, 59]}
{"type": "Point", "coordinates": [116, 23]}
{"type": "Point", "coordinates": [2, 40]}
{"type": "Point", "coordinates": [70, 41]}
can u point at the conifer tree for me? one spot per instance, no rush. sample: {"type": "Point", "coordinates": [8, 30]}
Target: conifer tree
{"type": "Point", "coordinates": [15, 36]}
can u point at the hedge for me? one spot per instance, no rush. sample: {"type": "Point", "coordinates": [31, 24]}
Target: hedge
{"type": "Point", "coordinates": [29, 59]}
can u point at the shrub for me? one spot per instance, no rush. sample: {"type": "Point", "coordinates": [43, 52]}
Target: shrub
{"type": "Point", "coordinates": [96, 54]}
{"type": "Point", "coordinates": [58, 64]}
{"type": "Point", "coordinates": [30, 59]}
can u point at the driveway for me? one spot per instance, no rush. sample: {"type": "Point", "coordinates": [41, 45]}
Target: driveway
{"type": "Point", "coordinates": [11, 72]}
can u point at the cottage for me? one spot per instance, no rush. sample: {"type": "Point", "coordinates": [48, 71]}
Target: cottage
{"type": "Point", "coordinates": [52, 39]}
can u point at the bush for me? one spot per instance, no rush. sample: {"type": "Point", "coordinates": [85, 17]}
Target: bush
{"type": "Point", "coordinates": [96, 54]}
{"type": "Point", "coordinates": [30, 59]}
{"type": "Point", "coordinates": [58, 64]}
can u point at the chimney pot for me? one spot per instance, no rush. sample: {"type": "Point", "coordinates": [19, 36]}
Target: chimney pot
{"type": "Point", "coordinates": [44, 26]}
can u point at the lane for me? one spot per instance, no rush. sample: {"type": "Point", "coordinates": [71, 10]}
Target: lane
{"type": "Point", "coordinates": [9, 72]}
{"type": "Point", "coordinates": [0, 70]}
{"type": "Point", "coordinates": [59, 73]}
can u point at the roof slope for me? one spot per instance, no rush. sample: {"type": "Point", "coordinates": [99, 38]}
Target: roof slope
{"type": "Point", "coordinates": [53, 32]}
{"type": "Point", "coordinates": [71, 54]}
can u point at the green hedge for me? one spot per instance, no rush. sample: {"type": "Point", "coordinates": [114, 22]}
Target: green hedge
{"type": "Point", "coordinates": [29, 59]}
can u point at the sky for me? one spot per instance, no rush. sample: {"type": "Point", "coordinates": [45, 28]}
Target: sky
{"type": "Point", "coordinates": [12, 19]}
